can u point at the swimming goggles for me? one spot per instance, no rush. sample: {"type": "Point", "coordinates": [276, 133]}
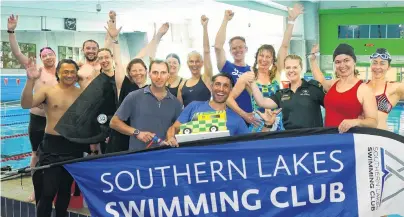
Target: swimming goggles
{"type": "Point", "coordinates": [385, 56]}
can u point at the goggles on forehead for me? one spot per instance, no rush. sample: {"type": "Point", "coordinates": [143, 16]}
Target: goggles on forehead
{"type": "Point", "coordinates": [384, 56]}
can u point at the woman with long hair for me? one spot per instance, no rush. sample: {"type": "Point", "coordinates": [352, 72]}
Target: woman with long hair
{"type": "Point", "coordinates": [300, 103]}
{"type": "Point", "coordinates": [267, 69]}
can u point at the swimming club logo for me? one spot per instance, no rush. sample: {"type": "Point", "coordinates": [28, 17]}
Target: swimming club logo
{"type": "Point", "coordinates": [385, 176]}
{"type": "Point", "coordinates": [102, 119]}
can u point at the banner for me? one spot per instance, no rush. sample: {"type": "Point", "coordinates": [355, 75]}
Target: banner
{"type": "Point", "coordinates": [292, 173]}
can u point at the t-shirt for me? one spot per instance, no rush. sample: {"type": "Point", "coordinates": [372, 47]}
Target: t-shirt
{"type": "Point", "coordinates": [235, 124]}
{"type": "Point", "coordinates": [146, 113]}
{"type": "Point", "coordinates": [244, 100]}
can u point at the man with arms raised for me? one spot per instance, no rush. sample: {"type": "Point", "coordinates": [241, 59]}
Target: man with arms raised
{"type": "Point", "coordinates": [54, 148]}
{"type": "Point", "coordinates": [238, 49]}
{"type": "Point", "coordinates": [37, 120]}
{"type": "Point", "coordinates": [151, 110]}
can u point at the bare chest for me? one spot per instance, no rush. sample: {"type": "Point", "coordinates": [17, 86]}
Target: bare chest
{"type": "Point", "coordinates": [60, 100]}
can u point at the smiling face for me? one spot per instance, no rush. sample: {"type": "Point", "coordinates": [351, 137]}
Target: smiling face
{"type": "Point", "coordinates": [293, 69]}
{"type": "Point", "coordinates": [174, 65]}
{"type": "Point", "coordinates": [238, 49]}
{"type": "Point", "coordinates": [67, 74]}
{"type": "Point", "coordinates": [344, 65]}
{"type": "Point", "coordinates": [138, 74]}
{"type": "Point", "coordinates": [105, 60]}
{"type": "Point", "coordinates": [48, 58]}
{"type": "Point", "coordinates": [379, 68]}
{"type": "Point", "coordinates": [195, 63]}
{"type": "Point", "coordinates": [265, 59]}
{"type": "Point", "coordinates": [90, 50]}
{"type": "Point", "coordinates": [221, 88]}
{"type": "Point", "coordinates": [159, 74]}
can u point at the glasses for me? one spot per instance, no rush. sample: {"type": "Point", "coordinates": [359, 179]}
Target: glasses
{"type": "Point", "coordinates": [385, 56]}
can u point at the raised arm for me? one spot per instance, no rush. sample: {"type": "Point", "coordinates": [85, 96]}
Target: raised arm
{"type": "Point", "coordinates": [207, 62]}
{"type": "Point", "coordinates": [108, 40]}
{"type": "Point", "coordinates": [315, 69]}
{"type": "Point", "coordinates": [15, 49]}
{"type": "Point", "coordinates": [28, 98]}
{"type": "Point", "coordinates": [283, 50]}
{"type": "Point", "coordinates": [116, 50]}
{"type": "Point", "coordinates": [220, 40]}
{"type": "Point", "coordinates": [151, 48]}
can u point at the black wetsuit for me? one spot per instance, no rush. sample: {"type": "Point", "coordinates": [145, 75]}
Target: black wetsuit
{"type": "Point", "coordinates": [54, 180]}
{"type": "Point", "coordinates": [118, 141]}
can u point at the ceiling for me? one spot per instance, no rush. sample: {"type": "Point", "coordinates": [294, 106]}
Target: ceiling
{"type": "Point", "coordinates": [90, 6]}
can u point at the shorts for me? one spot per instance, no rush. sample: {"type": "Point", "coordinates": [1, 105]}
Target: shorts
{"type": "Point", "coordinates": [36, 130]}
{"type": "Point", "coordinates": [55, 148]}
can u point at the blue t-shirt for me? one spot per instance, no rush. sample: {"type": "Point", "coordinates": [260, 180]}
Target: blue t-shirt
{"type": "Point", "coordinates": [244, 100]}
{"type": "Point", "coordinates": [235, 124]}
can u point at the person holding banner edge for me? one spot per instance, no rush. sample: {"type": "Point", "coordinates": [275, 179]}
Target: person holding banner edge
{"type": "Point", "coordinates": [347, 96]}
{"type": "Point", "coordinates": [221, 87]}
{"type": "Point", "coordinates": [157, 112]}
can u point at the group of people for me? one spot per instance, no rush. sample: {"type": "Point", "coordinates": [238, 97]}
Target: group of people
{"type": "Point", "coordinates": [250, 95]}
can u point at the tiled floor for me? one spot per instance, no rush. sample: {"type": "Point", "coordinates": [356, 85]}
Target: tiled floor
{"type": "Point", "coordinates": [15, 192]}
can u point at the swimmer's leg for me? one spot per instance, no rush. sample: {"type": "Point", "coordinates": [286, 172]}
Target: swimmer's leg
{"type": "Point", "coordinates": [46, 189]}
{"type": "Point", "coordinates": [64, 193]}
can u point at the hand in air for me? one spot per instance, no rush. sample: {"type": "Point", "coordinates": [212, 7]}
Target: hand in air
{"type": "Point", "coordinates": [228, 15]}
{"type": "Point", "coordinates": [112, 15]}
{"type": "Point", "coordinates": [163, 29]}
{"type": "Point", "coordinates": [269, 116]}
{"type": "Point", "coordinates": [204, 20]}
{"type": "Point", "coordinates": [12, 22]}
{"type": "Point", "coordinates": [314, 50]}
{"type": "Point", "coordinates": [113, 32]}
{"type": "Point", "coordinates": [295, 12]}
{"type": "Point", "coordinates": [32, 71]}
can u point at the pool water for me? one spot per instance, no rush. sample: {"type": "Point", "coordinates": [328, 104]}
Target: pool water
{"type": "Point", "coordinates": [19, 118]}
{"type": "Point", "coordinates": [14, 122]}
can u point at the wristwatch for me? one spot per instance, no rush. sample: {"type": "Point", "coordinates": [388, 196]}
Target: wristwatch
{"type": "Point", "coordinates": [136, 132]}
{"type": "Point", "coordinates": [9, 31]}
{"type": "Point", "coordinates": [268, 126]}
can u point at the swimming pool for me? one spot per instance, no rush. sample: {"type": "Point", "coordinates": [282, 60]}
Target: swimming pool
{"type": "Point", "coordinates": [15, 145]}
{"type": "Point", "coordinates": [15, 142]}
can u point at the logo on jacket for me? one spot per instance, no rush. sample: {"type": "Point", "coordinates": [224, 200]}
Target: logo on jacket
{"type": "Point", "coordinates": [102, 119]}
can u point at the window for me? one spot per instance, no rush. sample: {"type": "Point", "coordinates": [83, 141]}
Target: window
{"type": "Point", "coordinates": [378, 31]}
{"type": "Point", "coordinates": [362, 31]}
{"type": "Point", "coordinates": [393, 31]}
{"type": "Point", "coordinates": [371, 31]}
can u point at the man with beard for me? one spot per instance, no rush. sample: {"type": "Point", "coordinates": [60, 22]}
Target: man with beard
{"type": "Point", "coordinates": [91, 66]}
{"type": "Point", "coordinates": [37, 120]}
{"type": "Point", "coordinates": [56, 100]}
{"type": "Point", "coordinates": [221, 87]}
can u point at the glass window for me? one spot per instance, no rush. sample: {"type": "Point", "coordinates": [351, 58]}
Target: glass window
{"type": "Point", "coordinates": [378, 31]}
{"type": "Point", "coordinates": [362, 31]}
{"type": "Point", "coordinates": [393, 31]}
{"type": "Point", "coordinates": [345, 32]}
